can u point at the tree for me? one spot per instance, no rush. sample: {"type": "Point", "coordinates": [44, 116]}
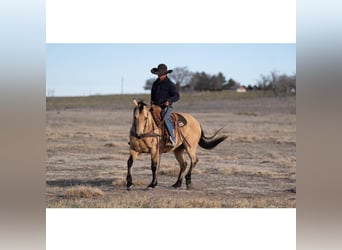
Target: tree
{"type": "Point", "coordinates": [181, 76]}
{"type": "Point", "coordinates": [217, 82]}
{"type": "Point", "coordinates": [281, 85]}
{"type": "Point", "coordinates": [148, 84]}
{"type": "Point", "coordinates": [200, 81]}
{"type": "Point", "coordinates": [203, 82]}
{"type": "Point", "coordinates": [232, 84]}
{"type": "Point", "coordinates": [263, 82]}
{"type": "Point", "coordinates": [250, 87]}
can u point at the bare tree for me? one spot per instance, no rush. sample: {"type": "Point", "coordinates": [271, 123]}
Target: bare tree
{"type": "Point", "coordinates": [264, 83]}
{"type": "Point", "coordinates": [281, 85]}
{"type": "Point", "coordinates": [149, 83]}
{"type": "Point", "coordinates": [274, 83]}
{"type": "Point", "coordinates": [181, 76]}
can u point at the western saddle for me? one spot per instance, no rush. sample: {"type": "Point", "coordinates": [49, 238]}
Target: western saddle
{"type": "Point", "coordinates": [177, 121]}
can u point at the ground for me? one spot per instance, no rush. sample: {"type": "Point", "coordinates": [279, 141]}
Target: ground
{"type": "Point", "coordinates": [87, 152]}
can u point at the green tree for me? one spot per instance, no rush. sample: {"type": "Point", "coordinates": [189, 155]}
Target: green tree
{"type": "Point", "coordinates": [217, 82]}
{"type": "Point", "coordinates": [231, 84]}
{"type": "Point", "coordinates": [200, 81]}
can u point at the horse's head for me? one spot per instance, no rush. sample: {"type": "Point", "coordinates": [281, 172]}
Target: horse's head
{"type": "Point", "coordinates": [140, 117]}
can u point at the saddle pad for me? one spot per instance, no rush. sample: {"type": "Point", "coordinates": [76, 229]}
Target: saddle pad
{"type": "Point", "coordinates": [181, 121]}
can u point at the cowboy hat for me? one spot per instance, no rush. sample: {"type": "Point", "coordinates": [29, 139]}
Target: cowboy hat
{"type": "Point", "coordinates": [161, 70]}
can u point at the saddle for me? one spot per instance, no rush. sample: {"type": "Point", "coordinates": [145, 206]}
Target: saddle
{"type": "Point", "coordinates": [177, 120]}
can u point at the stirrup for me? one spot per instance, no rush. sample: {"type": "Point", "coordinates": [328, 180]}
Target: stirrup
{"type": "Point", "coordinates": [170, 142]}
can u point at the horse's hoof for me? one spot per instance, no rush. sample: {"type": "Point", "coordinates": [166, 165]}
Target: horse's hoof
{"type": "Point", "coordinates": [129, 188]}
{"type": "Point", "coordinates": [151, 186]}
{"type": "Point", "coordinates": [176, 185]}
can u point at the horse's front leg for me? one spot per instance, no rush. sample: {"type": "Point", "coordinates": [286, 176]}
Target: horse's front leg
{"type": "Point", "coordinates": [133, 155]}
{"type": "Point", "coordinates": [154, 167]}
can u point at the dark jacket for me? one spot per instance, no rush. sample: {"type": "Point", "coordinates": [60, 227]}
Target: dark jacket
{"type": "Point", "coordinates": [163, 91]}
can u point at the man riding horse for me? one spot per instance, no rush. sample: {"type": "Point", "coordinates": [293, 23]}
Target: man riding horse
{"type": "Point", "coordinates": [163, 94]}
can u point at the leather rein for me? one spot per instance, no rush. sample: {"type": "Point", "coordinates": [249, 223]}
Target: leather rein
{"type": "Point", "coordinates": [151, 133]}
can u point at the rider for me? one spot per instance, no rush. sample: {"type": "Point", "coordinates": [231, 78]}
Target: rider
{"type": "Point", "coordinates": [164, 93]}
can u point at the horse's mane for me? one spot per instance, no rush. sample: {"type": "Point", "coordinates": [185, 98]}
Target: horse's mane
{"type": "Point", "coordinates": [141, 104]}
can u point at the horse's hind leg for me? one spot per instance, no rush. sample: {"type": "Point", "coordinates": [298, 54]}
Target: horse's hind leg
{"type": "Point", "coordinates": [133, 155]}
{"type": "Point", "coordinates": [179, 154]}
{"type": "Point", "coordinates": [194, 160]}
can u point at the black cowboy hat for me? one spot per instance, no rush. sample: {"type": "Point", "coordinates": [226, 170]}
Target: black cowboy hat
{"type": "Point", "coordinates": [161, 70]}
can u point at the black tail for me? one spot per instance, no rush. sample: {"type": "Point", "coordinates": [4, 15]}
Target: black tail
{"type": "Point", "coordinates": [211, 142]}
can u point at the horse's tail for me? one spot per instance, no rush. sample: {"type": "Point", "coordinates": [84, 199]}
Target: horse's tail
{"type": "Point", "coordinates": [211, 142]}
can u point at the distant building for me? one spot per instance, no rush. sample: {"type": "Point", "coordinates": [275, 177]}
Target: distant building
{"type": "Point", "coordinates": [241, 90]}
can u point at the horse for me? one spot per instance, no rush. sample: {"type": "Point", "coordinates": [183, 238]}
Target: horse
{"type": "Point", "coordinates": [146, 136]}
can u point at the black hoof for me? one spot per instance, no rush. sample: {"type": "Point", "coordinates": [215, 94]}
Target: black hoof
{"type": "Point", "coordinates": [152, 185]}
{"type": "Point", "coordinates": [177, 185]}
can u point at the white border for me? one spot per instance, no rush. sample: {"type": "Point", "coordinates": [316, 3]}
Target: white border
{"type": "Point", "coordinates": [264, 229]}
{"type": "Point", "coordinates": [177, 21]}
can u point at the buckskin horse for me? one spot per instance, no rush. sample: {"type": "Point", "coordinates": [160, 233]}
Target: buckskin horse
{"type": "Point", "coordinates": [146, 136]}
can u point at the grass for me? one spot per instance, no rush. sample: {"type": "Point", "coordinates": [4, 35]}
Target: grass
{"type": "Point", "coordinates": [92, 102]}
{"type": "Point", "coordinates": [246, 113]}
{"type": "Point", "coordinates": [144, 201]}
{"type": "Point", "coordinates": [251, 172]}
{"type": "Point", "coordinates": [262, 202]}
{"type": "Point", "coordinates": [121, 182]}
{"type": "Point", "coordinates": [124, 101]}
{"type": "Point", "coordinates": [136, 202]}
{"type": "Point", "coordinates": [83, 192]}
{"type": "Point", "coordinates": [87, 151]}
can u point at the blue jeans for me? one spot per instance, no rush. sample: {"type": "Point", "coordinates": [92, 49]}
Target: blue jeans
{"type": "Point", "coordinates": [166, 112]}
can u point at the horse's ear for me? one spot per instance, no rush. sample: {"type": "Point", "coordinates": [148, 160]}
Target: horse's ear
{"type": "Point", "coordinates": [135, 103]}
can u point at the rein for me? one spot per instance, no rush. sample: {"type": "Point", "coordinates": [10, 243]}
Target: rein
{"type": "Point", "coordinates": [151, 133]}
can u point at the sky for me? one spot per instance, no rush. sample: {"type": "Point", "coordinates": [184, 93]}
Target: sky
{"type": "Point", "coordinates": [79, 69]}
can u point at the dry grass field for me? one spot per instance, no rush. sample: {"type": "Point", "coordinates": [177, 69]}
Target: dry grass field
{"type": "Point", "coordinates": [87, 152]}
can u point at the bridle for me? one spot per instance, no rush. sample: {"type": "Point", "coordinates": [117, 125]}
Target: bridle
{"type": "Point", "coordinates": [151, 133]}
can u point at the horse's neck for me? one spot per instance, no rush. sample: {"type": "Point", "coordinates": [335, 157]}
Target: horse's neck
{"type": "Point", "coordinates": [152, 125]}
{"type": "Point", "coordinates": [155, 119]}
